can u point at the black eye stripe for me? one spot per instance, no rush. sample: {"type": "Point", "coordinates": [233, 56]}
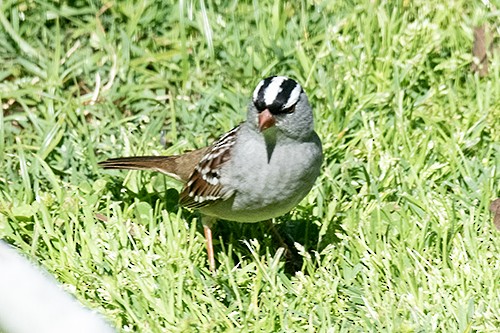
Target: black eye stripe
{"type": "Point", "coordinates": [283, 96]}
{"type": "Point", "coordinates": [279, 94]}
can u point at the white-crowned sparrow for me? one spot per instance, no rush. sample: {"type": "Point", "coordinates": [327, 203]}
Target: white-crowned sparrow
{"type": "Point", "coordinates": [257, 171]}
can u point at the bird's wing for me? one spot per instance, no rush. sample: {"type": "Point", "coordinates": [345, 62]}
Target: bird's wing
{"type": "Point", "coordinates": [203, 186]}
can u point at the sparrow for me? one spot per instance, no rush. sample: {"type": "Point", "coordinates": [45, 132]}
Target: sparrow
{"type": "Point", "coordinates": [257, 171]}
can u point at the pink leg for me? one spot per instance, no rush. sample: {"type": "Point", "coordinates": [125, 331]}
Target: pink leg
{"type": "Point", "coordinates": [207, 225]}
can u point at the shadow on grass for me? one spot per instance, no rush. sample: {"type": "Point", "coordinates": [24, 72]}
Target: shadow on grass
{"type": "Point", "coordinates": [300, 226]}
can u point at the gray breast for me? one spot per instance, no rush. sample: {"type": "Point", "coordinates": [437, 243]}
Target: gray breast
{"type": "Point", "coordinates": [268, 180]}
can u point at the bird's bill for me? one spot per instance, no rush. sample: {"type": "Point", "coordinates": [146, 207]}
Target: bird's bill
{"type": "Point", "coordinates": [266, 120]}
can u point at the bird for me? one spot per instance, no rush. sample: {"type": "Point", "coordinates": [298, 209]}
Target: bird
{"type": "Point", "coordinates": [259, 170]}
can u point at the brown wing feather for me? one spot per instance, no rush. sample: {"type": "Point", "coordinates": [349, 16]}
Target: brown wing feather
{"type": "Point", "coordinates": [203, 186]}
{"type": "Point", "coordinates": [200, 169]}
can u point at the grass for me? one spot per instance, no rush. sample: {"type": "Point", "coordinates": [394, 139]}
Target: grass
{"type": "Point", "coordinates": [396, 236]}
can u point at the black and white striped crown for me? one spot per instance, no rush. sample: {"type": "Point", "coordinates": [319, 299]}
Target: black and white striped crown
{"type": "Point", "coordinates": [278, 94]}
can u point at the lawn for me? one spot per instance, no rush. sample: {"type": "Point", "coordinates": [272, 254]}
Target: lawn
{"type": "Point", "coordinates": [396, 235]}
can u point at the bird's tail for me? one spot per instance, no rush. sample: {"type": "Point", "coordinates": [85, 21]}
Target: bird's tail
{"type": "Point", "coordinates": [137, 162]}
{"type": "Point", "coordinates": [177, 166]}
{"type": "Point", "coordinates": [163, 164]}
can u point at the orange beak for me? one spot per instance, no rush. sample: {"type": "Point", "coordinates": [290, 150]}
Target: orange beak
{"type": "Point", "coordinates": [266, 120]}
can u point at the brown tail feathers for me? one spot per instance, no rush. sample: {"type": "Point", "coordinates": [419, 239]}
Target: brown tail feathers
{"type": "Point", "coordinates": [177, 166]}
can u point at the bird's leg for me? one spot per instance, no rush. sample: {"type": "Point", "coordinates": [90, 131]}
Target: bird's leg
{"type": "Point", "coordinates": [208, 222]}
{"type": "Point", "coordinates": [277, 236]}
{"type": "Point", "coordinates": [293, 261]}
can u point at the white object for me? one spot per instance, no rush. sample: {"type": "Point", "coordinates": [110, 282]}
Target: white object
{"type": "Point", "coordinates": [31, 301]}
